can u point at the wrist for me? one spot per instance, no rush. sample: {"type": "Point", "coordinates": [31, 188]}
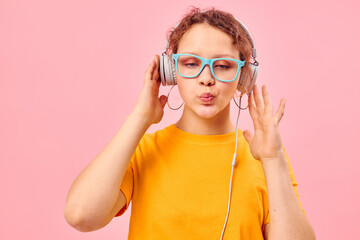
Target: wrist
{"type": "Point", "coordinates": [140, 119]}
{"type": "Point", "coordinates": [279, 161]}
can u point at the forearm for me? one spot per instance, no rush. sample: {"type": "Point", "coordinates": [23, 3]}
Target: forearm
{"type": "Point", "coordinates": [287, 221]}
{"type": "Point", "coordinates": [94, 192]}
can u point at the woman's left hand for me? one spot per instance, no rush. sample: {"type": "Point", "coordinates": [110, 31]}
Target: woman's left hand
{"type": "Point", "coordinates": [265, 144]}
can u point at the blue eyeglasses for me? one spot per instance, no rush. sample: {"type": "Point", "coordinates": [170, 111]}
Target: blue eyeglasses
{"type": "Point", "coordinates": [223, 69]}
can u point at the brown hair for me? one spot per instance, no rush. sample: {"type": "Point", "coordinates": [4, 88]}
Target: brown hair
{"type": "Point", "coordinates": [218, 19]}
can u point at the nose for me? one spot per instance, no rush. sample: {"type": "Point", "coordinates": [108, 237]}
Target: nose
{"type": "Point", "coordinates": [206, 78]}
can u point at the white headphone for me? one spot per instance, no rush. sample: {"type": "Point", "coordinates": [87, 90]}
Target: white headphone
{"type": "Point", "coordinates": [168, 68]}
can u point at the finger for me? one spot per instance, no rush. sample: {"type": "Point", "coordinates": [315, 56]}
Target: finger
{"type": "Point", "coordinates": [158, 83]}
{"type": "Point", "coordinates": [251, 101]}
{"type": "Point", "coordinates": [267, 100]}
{"type": "Point", "coordinates": [152, 68]}
{"type": "Point", "coordinates": [149, 71]}
{"type": "Point", "coordinates": [248, 136]}
{"type": "Point", "coordinates": [280, 112]}
{"type": "Point", "coordinates": [253, 111]}
{"type": "Point", "coordinates": [163, 100]}
{"type": "Point", "coordinates": [156, 74]}
{"type": "Point", "coordinates": [258, 99]}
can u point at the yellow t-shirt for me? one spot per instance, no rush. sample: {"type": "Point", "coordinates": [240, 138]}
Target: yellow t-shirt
{"type": "Point", "coordinates": [179, 187]}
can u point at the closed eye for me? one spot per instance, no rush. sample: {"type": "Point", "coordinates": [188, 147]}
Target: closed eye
{"type": "Point", "coordinates": [222, 66]}
{"type": "Point", "coordinates": [191, 64]}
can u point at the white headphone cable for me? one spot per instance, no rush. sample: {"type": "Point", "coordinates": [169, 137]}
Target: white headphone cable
{"type": "Point", "coordinates": [232, 169]}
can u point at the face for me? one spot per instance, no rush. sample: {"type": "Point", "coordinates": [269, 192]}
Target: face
{"type": "Point", "coordinates": [204, 96]}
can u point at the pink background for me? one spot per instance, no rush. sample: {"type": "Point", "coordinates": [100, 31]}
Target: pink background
{"type": "Point", "coordinates": [71, 71]}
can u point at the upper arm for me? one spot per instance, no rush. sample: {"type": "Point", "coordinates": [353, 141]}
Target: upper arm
{"type": "Point", "coordinates": [120, 203]}
{"type": "Point", "coordinates": [266, 231]}
{"type": "Point", "coordinates": [87, 225]}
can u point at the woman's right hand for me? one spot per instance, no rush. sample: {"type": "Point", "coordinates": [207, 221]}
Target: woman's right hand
{"type": "Point", "coordinates": [149, 106]}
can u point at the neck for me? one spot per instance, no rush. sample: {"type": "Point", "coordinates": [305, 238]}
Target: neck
{"type": "Point", "coordinates": [192, 123]}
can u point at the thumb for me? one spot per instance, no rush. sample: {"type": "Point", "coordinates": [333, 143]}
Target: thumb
{"type": "Point", "coordinates": [248, 136]}
{"type": "Point", "coordinates": [163, 100]}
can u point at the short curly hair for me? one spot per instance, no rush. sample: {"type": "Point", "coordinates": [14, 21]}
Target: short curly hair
{"type": "Point", "coordinates": [219, 19]}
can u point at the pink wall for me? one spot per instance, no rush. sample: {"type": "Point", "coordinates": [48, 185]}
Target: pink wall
{"type": "Point", "coordinates": [70, 72]}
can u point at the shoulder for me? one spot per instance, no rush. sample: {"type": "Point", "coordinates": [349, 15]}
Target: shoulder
{"type": "Point", "coordinates": [154, 141]}
{"type": "Point", "coordinates": [156, 136]}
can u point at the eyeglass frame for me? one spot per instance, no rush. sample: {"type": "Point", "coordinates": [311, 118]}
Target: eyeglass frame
{"type": "Point", "coordinates": [205, 62]}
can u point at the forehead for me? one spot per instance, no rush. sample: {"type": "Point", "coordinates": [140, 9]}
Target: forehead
{"type": "Point", "coordinates": [207, 41]}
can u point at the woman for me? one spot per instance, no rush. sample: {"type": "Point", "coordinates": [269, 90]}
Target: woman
{"type": "Point", "coordinates": [178, 178]}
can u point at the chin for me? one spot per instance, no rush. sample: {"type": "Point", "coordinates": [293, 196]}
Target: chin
{"type": "Point", "coordinates": [207, 112]}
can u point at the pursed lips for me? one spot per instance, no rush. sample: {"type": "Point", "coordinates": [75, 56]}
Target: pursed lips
{"type": "Point", "coordinates": [206, 97]}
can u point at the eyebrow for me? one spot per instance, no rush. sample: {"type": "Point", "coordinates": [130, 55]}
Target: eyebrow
{"type": "Point", "coordinates": [215, 56]}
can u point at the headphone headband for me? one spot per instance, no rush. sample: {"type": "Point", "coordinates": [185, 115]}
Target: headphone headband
{"type": "Point", "coordinates": [241, 24]}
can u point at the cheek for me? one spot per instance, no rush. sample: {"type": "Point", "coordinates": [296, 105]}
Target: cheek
{"type": "Point", "coordinates": [229, 89]}
{"type": "Point", "coordinates": [185, 88]}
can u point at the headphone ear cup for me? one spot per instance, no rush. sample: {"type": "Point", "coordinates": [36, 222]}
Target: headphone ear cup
{"type": "Point", "coordinates": [247, 80]}
{"type": "Point", "coordinates": [254, 71]}
{"type": "Point", "coordinates": [241, 80]}
{"type": "Point", "coordinates": [167, 70]}
{"type": "Point", "coordinates": [162, 71]}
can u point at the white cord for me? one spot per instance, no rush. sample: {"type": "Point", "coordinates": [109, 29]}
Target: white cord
{"type": "Point", "coordinates": [232, 170]}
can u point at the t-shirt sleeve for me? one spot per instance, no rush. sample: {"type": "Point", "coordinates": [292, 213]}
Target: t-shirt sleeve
{"type": "Point", "coordinates": [294, 184]}
{"type": "Point", "coordinates": [127, 187]}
